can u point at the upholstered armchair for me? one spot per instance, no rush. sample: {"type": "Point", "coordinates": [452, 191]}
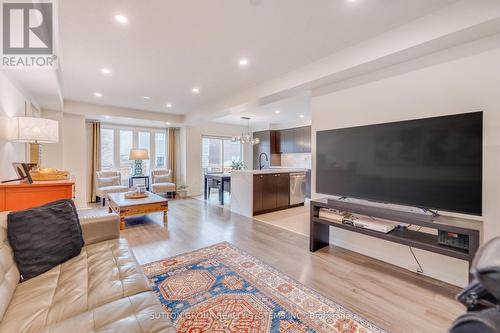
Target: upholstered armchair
{"type": "Point", "coordinates": [108, 182]}
{"type": "Point", "coordinates": [161, 181]}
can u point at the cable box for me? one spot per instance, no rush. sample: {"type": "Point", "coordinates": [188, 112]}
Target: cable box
{"type": "Point", "coordinates": [366, 222]}
{"type": "Point", "coordinates": [453, 239]}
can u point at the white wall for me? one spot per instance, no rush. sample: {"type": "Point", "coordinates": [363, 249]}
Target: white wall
{"type": "Point", "coordinates": [12, 103]}
{"type": "Point", "coordinates": [191, 169]}
{"type": "Point", "coordinates": [75, 154]}
{"type": "Point", "coordinates": [70, 153]}
{"type": "Point", "coordinates": [52, 154]}
{"type": "Point", "coordinates": [463, 85]}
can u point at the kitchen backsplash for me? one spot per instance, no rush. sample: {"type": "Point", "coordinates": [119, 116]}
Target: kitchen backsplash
{"type": "Point", "coordinates": [296, 160]}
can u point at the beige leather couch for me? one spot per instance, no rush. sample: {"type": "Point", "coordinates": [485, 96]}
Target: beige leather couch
{"type": "Point", "coordinates": [101, 290]}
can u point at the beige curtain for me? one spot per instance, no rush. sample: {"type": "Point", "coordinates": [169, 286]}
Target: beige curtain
{"type": "Point", "coordinates": [95, 163]}
{"type": "Point", "coordinates": [171, 152]}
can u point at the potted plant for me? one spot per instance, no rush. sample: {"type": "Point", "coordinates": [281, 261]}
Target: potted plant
{"type": "Point", "coordinates": [237, 165]}
{"type": "Point", "coordinates": [182, 191]}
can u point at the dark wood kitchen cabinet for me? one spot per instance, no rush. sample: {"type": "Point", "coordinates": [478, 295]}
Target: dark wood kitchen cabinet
{"type": "Point", "coordinates": [306, 139]}
{"type": "Point", "coordinates": [294, 140]}
{"type": "Point", "coordinates": [282, 183]}
{"type": "Point", "coordinates": [271, 192]}
{"type": "Point", "coordinates": [258, 182]}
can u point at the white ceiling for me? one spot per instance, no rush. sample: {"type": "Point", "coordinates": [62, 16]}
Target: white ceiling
{"type": "Point", "coordinates": [168, 46]}
{"type": "Point", "coordinates": [263, 117]}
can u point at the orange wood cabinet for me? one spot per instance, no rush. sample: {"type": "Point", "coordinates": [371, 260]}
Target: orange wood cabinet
{"type": "Point", "coordinates": [17, 195]}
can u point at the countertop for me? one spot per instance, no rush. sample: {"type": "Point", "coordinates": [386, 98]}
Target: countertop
{"type": "Point", "coordinates": [272, 170]}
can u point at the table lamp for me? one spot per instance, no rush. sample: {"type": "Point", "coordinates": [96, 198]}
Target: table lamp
{"type": "Point", "coordinates": [35, 131]}
{"type": "Point", "coordinates": [138, 155]}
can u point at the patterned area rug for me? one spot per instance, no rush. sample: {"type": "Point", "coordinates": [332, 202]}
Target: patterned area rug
{"type": "Point", "coordinates": [223, 289]}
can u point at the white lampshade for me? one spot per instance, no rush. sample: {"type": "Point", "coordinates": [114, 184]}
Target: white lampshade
{"type": "Point", "coordinates": [34, 130]}
{"type": "Point", "coordinates": [138, 154]}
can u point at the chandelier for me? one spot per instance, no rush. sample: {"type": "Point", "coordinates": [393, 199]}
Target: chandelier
{"type": "Point", "coordinates": [246, 138]}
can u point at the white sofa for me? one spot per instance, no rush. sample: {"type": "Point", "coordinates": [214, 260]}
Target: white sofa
{"type": "Point", "coordinates": [161, 181]}
{"type": "Point", "coordinates": [108, 182]}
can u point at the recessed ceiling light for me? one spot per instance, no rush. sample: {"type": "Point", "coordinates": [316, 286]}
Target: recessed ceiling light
{"type": "Point", "coordinates": [195, 90]}
{"type": "Point", "coordinates": [106, 71]}
{"type": "Point", "coordinates": [121, 18]}
{"type": "Point", "coordinates": [168, 122]}
{"type": "Point", "coordinates": [243, 62]}
{"type": "Point", "coordinates": [169, 105]}
{"type": "Point", "coordinates": [301, 116]}
{"type": "Point", "coordinates": [147, 97]}
{"type": "Point", "coordinates": [97, 94]}
{"type": "Point", "coordinates": [107, 117]}
{"type": "Point", "coordinates": [277, 111]}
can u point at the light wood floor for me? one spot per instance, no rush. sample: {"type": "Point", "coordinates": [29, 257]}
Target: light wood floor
{"type": "Point", "coordinates": [393, 298]}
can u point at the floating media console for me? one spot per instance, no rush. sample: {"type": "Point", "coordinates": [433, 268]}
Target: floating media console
{"type": "Point", "coordinates": [320, 233]}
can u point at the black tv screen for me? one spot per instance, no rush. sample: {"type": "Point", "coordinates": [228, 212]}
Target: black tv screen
{"type": "Point", "coordinates": [430, 163]}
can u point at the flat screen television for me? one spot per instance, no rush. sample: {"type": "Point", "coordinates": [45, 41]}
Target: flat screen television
{"type": "Point", "coordinates": [433, 163]}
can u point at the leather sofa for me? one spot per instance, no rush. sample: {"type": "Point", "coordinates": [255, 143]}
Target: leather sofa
{"type": "Point", "coordinates": [101, 290]}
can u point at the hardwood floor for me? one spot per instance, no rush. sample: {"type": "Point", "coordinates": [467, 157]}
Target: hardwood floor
{"type": "Point", "coordinates": [391, 297]}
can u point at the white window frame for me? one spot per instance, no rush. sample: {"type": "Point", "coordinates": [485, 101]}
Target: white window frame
{"type": "Point", "coordinates": [135, 142]}
{"type": "Point", "coordinates": [222, 148]}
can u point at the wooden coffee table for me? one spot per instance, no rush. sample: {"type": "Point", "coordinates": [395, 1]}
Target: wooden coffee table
{"type": "Point", "coordinates": [130, 207]}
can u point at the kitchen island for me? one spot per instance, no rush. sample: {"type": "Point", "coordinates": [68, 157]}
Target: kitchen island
{"type": "Point", "coordinates": [256, 192]}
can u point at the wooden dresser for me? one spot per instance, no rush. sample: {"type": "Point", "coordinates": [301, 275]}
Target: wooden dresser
{"type": "Point", "coordinates": [17, 195]}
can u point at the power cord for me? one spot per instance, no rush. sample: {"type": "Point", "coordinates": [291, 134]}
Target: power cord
{"type": "Point", "coordinates": [420, 269]}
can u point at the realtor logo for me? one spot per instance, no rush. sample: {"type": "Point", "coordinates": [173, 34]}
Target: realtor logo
{"type": "Point", "coordinates": [27, 34]}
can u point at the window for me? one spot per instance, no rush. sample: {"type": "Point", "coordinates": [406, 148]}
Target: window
{"type": "Point", "coordinates": [160, 143]}
{"type": "Point", "coordinates": [126, 143]}
{"type": "Point", "coordinates": [231, 151]}
{"type": "Point", "coordinates": [144, 144]}
{"type": "Point", "coordinates": [218, 153]}
{"type": "Point", "coordinates": [116, 142]}
{"type": "Point", "coordinates": [107, 148]}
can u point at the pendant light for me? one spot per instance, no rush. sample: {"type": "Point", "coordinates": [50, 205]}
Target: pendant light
{"type": "Point", "coordinates": [246, 138]}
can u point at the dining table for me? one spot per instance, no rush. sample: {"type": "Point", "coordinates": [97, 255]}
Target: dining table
{"type": "Point", "coordinates": [222, 178]}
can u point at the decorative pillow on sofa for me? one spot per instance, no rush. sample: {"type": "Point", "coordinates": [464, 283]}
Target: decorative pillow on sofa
{"type": "Point", "coordinates": [44, 237]}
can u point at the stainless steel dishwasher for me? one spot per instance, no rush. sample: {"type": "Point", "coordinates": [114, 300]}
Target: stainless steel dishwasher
{"type": "Point", "coordinates": [297, 188]}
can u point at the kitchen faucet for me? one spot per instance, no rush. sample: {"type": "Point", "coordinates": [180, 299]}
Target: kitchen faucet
{"type": "Point", "coordinates": [260, 160]}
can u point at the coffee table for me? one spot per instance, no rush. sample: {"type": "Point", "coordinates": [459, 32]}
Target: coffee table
{"type": "Point", "coordinates": [129, 207]}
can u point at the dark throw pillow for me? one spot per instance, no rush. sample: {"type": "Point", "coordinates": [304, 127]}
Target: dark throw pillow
{"type": "Point", "coordinates": [44, 237]}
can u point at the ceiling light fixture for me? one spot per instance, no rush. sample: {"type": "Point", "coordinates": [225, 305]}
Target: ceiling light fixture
{"type": "Point", "coordinates": [301, 116]}
{"type": "Point", "coordinates": [97, 94]}
{"type": "Point", "coordinates": [246, 138]}
{"type": "Point", "coordinates": [106, 71]}
{"type": "Point", "coordinates": [107, 117]}
{"type": "Point", "coordinates": [121, 18]}
{"type": "Point", "coordinates": [243, 62]}
{"type": "Point", "coordinates": [169, 106]}
{"type": "Point", "coordinates": [277, 111]}
{"type": "Point", "coordinates": [147, 97]}
{"type": "Point", "coordinates": [168, 123]}
{"type": "Point", "coordinates": [195, 90]}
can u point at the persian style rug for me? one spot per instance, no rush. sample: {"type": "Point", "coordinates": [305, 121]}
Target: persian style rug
{"type": "Point", "coordinates": [221, 288]}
